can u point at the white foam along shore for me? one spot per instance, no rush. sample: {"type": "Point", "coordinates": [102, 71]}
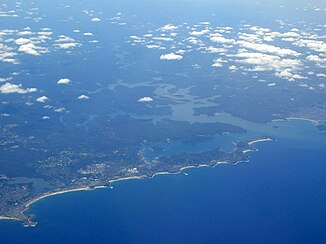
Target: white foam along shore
{"type": "Point", "coordinates": [316, 122]}
{"type": "Point", "coordinates": [313, 121]}
{"type": "Point", "coordinates": [8, 218]}
{"type": "Point", "coordinates": [260, 140]}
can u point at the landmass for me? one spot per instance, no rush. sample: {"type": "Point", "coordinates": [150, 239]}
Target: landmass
{"type": "Point", "coordinates": [16, 198]}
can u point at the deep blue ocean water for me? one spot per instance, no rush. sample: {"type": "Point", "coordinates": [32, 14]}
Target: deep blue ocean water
{"type": "Point", "coordinates": [279, 197]}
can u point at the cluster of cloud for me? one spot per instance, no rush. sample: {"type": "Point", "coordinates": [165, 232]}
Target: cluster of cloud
{"type": "Point", "coordinates": [8, 88]}
{"type": "Point", "coordinates": [117, 19]}
{"type": "Point", "coordinates": [65, 42]}
{"type": "Point", "coordinates": [245, 49]}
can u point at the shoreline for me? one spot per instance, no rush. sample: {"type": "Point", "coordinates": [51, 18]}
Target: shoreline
{"type": "Point", "coordinates": [29, 223]}
{"type": "Point", "coordinates": [313, 121]}
{"type": "Point", "coordinates": [27, 205]}
{"type": "Point", "coordinates": [260, 140]}
{"type": "Point", "coordinates": [9, 218]}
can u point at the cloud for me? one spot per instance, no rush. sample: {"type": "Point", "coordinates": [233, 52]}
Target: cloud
{"type": "Point", "coordinates": [153, 46]}
{"type": "Point", "coordinates": [96, 19]}
{"type": "Point", "coordinates": [83, 97]}
{"type": "Point", "coordinates": [42, 99]}
{"type": "Point", "coordinates": [7, 53]}
{"type": "Point", "coordinates": [88, 34]}
{"type": "Point", "coordinates": [145, 99]}
{"type": "Point", "coordinates": [286, 74]}
{"type": "Point", "coordinates": [318, 46]}
{"type": "Point", "coordinates": [171, 56]}
{"type": "Point", "coordinates": [283, 68]}
{"type": "Point", "coordinates": [25, 33]}
{"type": "Point", "coordinates": [168, 27]}
{"type": "Point", "coordinates": [221, 39]}
{"type": "Point", "coordinates": [63, 38]}
{"type": "Point", "coordinates": [22, 41]}
{"type": "Point", "coordinates": [64, 81]}
{"type": "Point", "coordinates": [166, 39]}
{"type": "Point", "coordinates": [31, 49]}
{"type": "Point", "coordinates": [218, 63]}
{"type": "Point", "coordinates": [66, 45]}
{"type": "Point", "coordinates": [28, 49]}
{"type": "Point", "coordinates": [199, 33]}
{"type": "Point", "coordinates": [266, 48]}
{"type": "Point", "coordinates": [5, 79]}
{"type": "Point", "coordinates": [13, 88]}
{"type": "Point", "coordinates": [320, 62]}
{"type": "Point", "coordinates": [211, 49]}
{"type": "Point", "coordinates": [65, 42]}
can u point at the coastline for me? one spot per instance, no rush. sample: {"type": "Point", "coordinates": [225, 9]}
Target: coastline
{"type": "Point", "coordinates": [26, 219]}
{"type": "Point", "coordinates": [27, 205]}
{"type": "Point", "coordinates": [259, 140]}
{"type": "Point", "coordinates": [313, 121]}
{"type": "Point", "coordinates": [9, 218]}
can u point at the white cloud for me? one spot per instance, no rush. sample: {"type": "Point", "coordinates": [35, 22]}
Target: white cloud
{"type": "Point", "coordinates": [320, 62]}
{"type": "Point", "coordinates": [22, 41]}
{"type": "Point", "coordinates": [168, 27]}
{"type": "Point", "coordinates": [96, 19]}
{"type": "Point", "coordinates": [28, 49]}
{"type": "Point", "coordinates": [283, 68]}
{"type": "Point", "coordinates": [266, 48]}
{"type": "Point", "coordinates": [83, 97]}
{"type": "Point", "coordinates": [145, 99]}
{"type": "Point", "coordinates": [318, 46]}
{"type": "Point", "coordinates": [66, 45]}
{"type": "Point", "coordinates": [13, 88]}
{"type": "Point", "coordinates": [211, 49]}
{"type": "Point", "coordinates": [233, 68]}
{"type": "Point", "coordinates": [25, 33]}
{"type": "Point", "coordinates": [64, 81]}
{"type": "Point", "coordinates": [59, 110]}
{"type": "Point", "coordinates": [218, 63]}
{"type": "Point", "coordinates": [31, 49]}
{"type": "Point", "coordinates": [171, 56]}
{"type": "Point", "coordinates": [221, 39]}
{"type": "Point", "coordinates": [42, 99]}
{"type": "Point", "coordinates": [153, 46]}
{"type": "Point", "coordinates": [5, 79]}
{"type": "Point", "coordinates": [286, 74]}
{"type": "Point", "coordinates": [63, 38]}
{"type": "Point", "coordinates": [199, 33]}
{"type": "Point", "coordinates": [88, 34]}
{"type": "Point", "coordinates": [166, 39]}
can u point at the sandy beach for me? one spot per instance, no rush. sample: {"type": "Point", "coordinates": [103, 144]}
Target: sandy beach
{"type": "Point", "coordinates": [316, 122]}
{"type": "Point", "coordinates": [260, 140]}
{"type": "Point", "coordinates": [55, 193]}
{"type": "Point", "coordinates": [8, 218]}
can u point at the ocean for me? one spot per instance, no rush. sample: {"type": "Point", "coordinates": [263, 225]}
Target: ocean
{"type": "Point", "coordinates": [278, 197]}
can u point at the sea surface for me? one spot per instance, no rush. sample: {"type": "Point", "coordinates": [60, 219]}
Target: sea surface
{"type": "Point", "coordinates": [278, 197]}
